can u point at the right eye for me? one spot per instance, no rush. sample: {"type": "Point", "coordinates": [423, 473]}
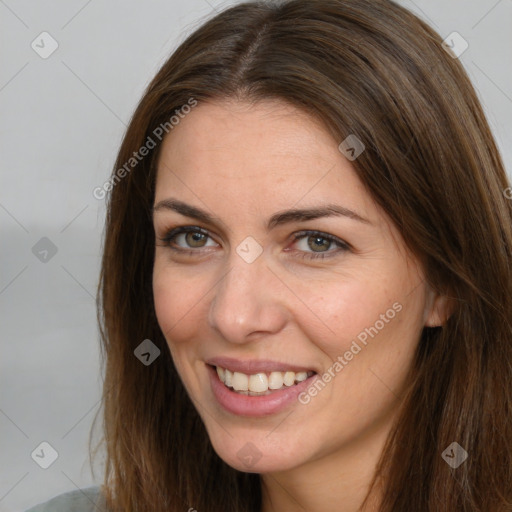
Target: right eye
{"type": "Point", "coordinates": [193, 236]}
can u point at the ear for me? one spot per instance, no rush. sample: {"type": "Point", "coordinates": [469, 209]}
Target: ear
{"type": "Point", "coordinates": [438, 308]}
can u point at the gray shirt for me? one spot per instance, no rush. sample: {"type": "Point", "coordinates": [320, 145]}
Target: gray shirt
{"type": "Point", "coordinates": [79, 500]}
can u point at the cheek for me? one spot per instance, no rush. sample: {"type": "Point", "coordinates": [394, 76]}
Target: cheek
{"type": "Point", "coordinates": [345, 309]}
{"type": "Point", "coordinates": [379, 344]}
{"type": "Point", "coordinates": [373, 322]}
{"type": "Point", "coordinates": [177, 303]}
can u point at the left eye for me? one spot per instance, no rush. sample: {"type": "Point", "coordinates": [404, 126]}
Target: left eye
{"type": "Point", "coordinates": [317, 242]}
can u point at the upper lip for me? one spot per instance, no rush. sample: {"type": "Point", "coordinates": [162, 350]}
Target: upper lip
{"type": "Point", "coordinates": [253, 366]}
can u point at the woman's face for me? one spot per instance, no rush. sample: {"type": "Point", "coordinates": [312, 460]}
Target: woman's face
{"type": "Point", "coordinates": [325, 309]}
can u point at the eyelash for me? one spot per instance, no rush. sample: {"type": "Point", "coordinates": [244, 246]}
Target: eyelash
{"type": "Point", "coordinates": [342, 246]}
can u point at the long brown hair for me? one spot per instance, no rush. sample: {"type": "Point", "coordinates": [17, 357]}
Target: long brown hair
{"type": "Point", "coordinates": [364, 67]}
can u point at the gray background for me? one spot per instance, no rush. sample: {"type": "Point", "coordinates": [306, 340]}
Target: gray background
{"type": "Point", "coordinates": [61, 124]}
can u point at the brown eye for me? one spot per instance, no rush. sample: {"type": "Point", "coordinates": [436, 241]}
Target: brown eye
{"type": "Point", "coordinates": [195, 239]}
{"type": "Point", "coordinates": [186, 237]}
{"type": "Point", "coordinates": [318, 244]}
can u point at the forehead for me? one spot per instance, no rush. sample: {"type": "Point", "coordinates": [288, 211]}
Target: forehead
{"type": "Point", "coordinates": [215, 130]}
{"type": "Point", "coordinates": [255, 154]}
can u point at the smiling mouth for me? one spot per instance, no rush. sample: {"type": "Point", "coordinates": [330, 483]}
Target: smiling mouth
{"type": "Point", "coordinates": [260, 384]}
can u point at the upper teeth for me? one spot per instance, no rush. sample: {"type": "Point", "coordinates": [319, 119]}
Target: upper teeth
{"type": "Point", "coordinates": [260, 382]}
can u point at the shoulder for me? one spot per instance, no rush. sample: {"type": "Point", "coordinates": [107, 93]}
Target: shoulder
{"type": "Point", "coordinates": [80, 500]}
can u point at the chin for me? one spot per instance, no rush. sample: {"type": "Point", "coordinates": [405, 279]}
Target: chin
{"type": "Point", "coordinates": [256, 453]}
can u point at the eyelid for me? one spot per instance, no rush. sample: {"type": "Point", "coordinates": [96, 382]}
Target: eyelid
{"type": "Point", "coordinates": [169, 234]}
{"type": "Point", "coordinates": [321, 234]}
{"type": "Point", "coordinates": [343, 246]}
{"type": "Point", "coordinates": [173, 232]}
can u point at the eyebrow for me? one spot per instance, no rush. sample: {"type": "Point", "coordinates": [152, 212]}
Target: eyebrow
{"type": "Point", "coordinates": [279, 218]}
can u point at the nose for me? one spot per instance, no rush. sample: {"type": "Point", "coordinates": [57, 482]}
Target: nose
{"type": "Point", "coordinates": [248, 301]}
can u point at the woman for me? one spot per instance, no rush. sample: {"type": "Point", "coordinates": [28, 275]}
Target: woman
{"type": "Point", "coordinates": [305, 294]}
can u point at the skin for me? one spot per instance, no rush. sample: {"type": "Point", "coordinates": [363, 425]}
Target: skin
{"type": "Point", "coordinates": [242, 163]}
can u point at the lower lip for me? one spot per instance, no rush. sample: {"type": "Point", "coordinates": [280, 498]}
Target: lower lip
{"type": "Point", "coordinates": [254, 406]}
